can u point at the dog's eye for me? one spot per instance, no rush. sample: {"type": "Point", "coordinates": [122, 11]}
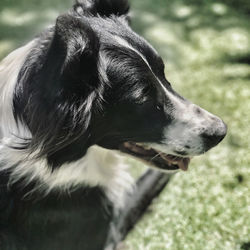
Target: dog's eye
{"type": "Point", "coordinates": [147, 90]}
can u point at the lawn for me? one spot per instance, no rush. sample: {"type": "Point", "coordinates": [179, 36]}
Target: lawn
{"type": "Point", "coordinates": [206, 47]}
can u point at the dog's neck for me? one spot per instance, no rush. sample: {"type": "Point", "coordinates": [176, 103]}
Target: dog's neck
{"type": "Point", "coordinates": [98, 168]}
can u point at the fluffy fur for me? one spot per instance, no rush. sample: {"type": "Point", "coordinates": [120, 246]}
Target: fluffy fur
{"type": "Point", "coordinates": [68, 101]}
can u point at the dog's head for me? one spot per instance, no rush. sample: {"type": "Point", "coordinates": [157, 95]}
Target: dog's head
{"type": "Point", "coordinates": [102, 84]}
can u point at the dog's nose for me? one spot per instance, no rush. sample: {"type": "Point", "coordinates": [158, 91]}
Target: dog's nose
{"type": "Point", "coordinates": [214, 136]}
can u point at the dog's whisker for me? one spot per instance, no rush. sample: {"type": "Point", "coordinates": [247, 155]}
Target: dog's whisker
{"type": "Point", "coordinates": [155, 156]}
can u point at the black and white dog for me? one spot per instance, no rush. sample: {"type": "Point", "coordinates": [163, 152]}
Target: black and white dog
{"type": "Point", "coordinates": [82, 90]}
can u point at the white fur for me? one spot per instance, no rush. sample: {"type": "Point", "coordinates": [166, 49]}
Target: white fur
{"type": "Point", "coordinates": [99, 167]}
{"type": "Point", "coordinates": [187, 125]}
{"type": "Point", "coordinates": [9, 69]}
{"type": "Point", "coordinates": [125, 44]}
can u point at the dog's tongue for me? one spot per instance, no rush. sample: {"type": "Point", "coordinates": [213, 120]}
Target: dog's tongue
{"type": "Point", "coordinates": [183, 164]}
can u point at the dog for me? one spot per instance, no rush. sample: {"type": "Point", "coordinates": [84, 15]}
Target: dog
{"type": "Point", "coordinates": [73, 102]}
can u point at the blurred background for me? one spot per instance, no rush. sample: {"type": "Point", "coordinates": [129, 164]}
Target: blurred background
{"type": "Point", "coordinates": [206, 48]}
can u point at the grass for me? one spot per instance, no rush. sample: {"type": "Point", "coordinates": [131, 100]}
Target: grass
{"type": "Point", "coordinates": [206, 47]}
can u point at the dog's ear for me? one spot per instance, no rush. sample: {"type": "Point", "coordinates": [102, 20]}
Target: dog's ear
{"type": "Point", "coordinates": [65, 78]}
{"type": "Point", "coordinates": [102, 7]}
{"type": "Point", "coordinates": [72, 57]}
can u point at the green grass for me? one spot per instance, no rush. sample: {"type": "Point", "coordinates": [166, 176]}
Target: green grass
{"type": "Point", "coordinates": [209, 206]}
{"type": "Point", "coordinates": [206, 47]}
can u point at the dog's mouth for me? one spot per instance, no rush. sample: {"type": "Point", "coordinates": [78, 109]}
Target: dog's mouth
{"type": "Point", "coordinates": [155, 158]}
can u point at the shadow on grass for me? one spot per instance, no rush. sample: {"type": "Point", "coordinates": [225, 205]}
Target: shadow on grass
{"type": "Point", "coordinates": [245, 246]}
{"type": "Point", "coordinates": [191, 15]}
{"type": "Point", "coordinates": [235, 182]}
{"type": "Point", "coordinates": [243, 59]}
{"type": "Point", "coordinates": [22, 20]}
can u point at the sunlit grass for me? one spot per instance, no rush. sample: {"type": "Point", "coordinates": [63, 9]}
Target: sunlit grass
{"type": "Point", "coordinates": [205, 47]}
{"type": "Point", "coordinates": [208, 207]}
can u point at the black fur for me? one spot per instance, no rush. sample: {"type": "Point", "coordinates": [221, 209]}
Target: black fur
{"type": "Point", "coordinates": [79, 87]}
{"type": "Point", "coordinates": [103, 8]}
{"type": "Point", "coordinates": [68, 105]}
{"type": "Point", "coordinates": [80, 108]}
{"type": "Point", "coordinates": [57, 221]}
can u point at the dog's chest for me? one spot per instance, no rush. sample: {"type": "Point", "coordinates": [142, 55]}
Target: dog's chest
{"type": "Point", "coordinates": [77, 221]}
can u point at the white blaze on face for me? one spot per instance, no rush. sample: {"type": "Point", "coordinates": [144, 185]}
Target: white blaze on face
{"type": "Point", "coordinates": [189, 121]}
